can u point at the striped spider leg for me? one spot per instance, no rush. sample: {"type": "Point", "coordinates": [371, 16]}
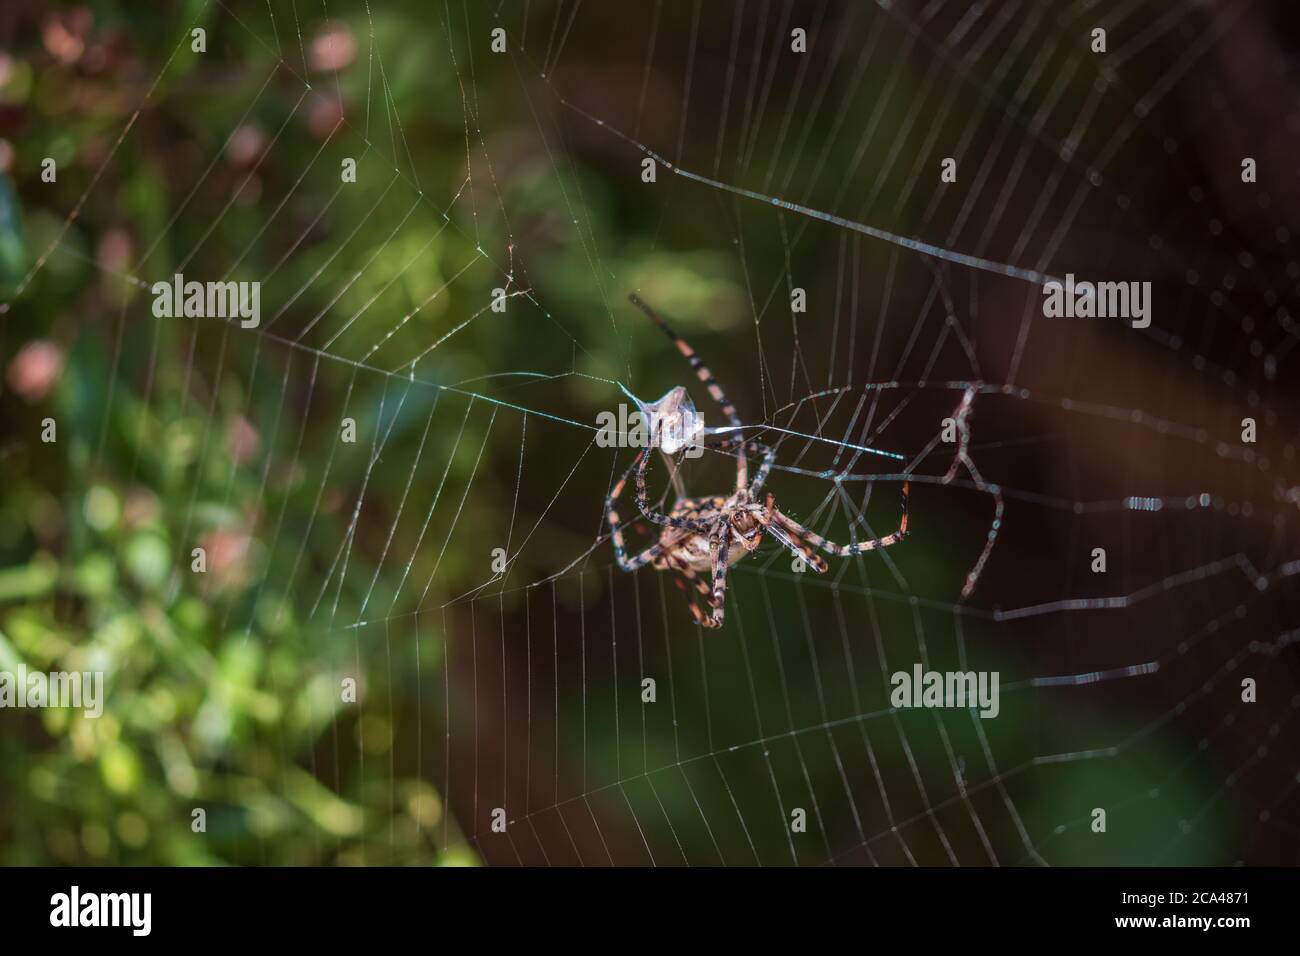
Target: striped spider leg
{"type": "Point", "coordinates": [802, 540]}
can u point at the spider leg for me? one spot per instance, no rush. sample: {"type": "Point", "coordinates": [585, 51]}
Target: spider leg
{"type": "Point", "coordinates": [642, 463]}
{"type": "Point", "coordinates": [769, 456]}
{"type": "Point", "coordinates": [793, 543]}
{"type": "Point", "coordinates": [718, 548]}
{"type": "Point", "coordinates": [686, 574]}
{"type": "Point", "coordinates": [616, 530]}
{"type": "Point", "coordinates": [845, 550]}
{"type": "Point", "coordinates": [706, 377]}
{"type": "Point", "coordinates": [764, 469]}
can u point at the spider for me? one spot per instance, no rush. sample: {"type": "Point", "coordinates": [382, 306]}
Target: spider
{"type": "Point", "coordinates": [709, 534]}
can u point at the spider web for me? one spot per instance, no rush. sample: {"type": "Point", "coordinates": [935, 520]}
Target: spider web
{"type": "Point", "coordinates": [522, 688]}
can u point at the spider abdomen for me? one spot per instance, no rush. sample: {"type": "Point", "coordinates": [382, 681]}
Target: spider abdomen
{"type": "Point", "coordinates": [686, 547]}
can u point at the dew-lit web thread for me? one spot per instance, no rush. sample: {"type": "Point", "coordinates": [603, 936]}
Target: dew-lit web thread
{"type": "Point", "coordinates": [1118, 414]}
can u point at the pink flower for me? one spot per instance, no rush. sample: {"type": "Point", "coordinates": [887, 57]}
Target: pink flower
{"type": "Point", "coordinates": [64, 34]}
{"type": "Point", "coordinates": [332, 48]}
{"type": "Point", "coordinates": [227, 554]}
{"type": "Point", "coordinates": [36, 369]}
{"type": "Point", "coordinates": [241, 440]}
